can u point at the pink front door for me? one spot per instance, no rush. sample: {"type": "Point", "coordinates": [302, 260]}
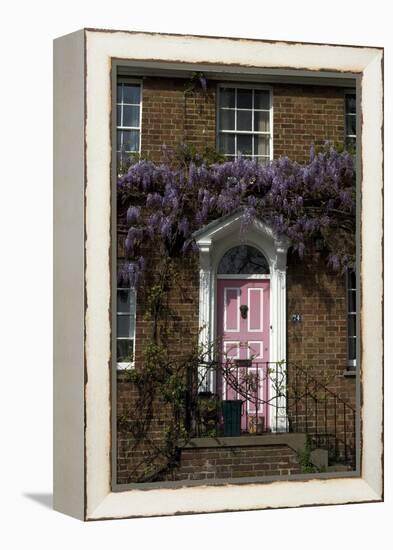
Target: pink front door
{"type": "Point", "coordinates": [243, 323]}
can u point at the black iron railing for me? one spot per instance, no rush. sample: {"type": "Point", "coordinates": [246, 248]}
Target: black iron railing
{"type": "Point", "coordinates": [275, 397]}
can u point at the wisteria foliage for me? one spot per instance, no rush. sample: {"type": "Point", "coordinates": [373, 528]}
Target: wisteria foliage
{"type": "Point", "coordinates": [309, 203]}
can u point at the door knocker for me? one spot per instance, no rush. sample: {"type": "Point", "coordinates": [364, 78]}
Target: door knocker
{"type": "Point", "coordinates": [243, 311]}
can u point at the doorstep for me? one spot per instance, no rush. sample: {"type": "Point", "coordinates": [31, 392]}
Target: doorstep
{"type": "Point", "coordinates": [295, 441]}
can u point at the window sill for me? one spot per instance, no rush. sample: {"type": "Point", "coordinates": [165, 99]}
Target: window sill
{"type": "Point", "coordinates": [125, 366]}
{"type": "Point", "coordinates": [350, 373]}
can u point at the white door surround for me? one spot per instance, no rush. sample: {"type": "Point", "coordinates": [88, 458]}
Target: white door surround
{"type": "Point", "coordinates": [213, 241]}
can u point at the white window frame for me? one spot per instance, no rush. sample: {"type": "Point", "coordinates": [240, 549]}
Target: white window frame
{"type": "Point", "coordinates": [351, 363]}
{"type": "Point", "coordinates": [236, 132]}
{"type": "Point", "coordinates": [139, 82]}
{"type": "Point", "coordinates": [346, 134]}
{"type": "Point", "coordinates": [124, 365]}
{"type": "Point", "coordinates": [120, 127]}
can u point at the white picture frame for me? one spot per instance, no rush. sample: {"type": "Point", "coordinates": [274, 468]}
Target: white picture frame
{"type": "Point", "coordinates": [83, 249]}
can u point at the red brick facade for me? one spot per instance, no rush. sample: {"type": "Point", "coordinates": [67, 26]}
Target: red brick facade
{"type": "Point", "coordinates": [172, 116]}
{"type": "Point", "coordinates": [301, 115]}
{"type": "Point", "coordinates": [237, 462]}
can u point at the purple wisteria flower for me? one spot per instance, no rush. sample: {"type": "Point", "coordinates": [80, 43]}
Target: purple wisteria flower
{"type": "Point", "coordinates": [306, 202]}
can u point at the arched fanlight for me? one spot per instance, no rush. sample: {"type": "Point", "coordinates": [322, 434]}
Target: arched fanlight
{"type": "Point", "coordinates": [243, 260]}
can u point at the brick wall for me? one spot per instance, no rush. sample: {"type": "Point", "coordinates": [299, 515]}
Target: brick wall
{"type": "Point", "coordinates": [171, 117]}
{"type": "Point", "coordinates": [235, 462]}
{"type": "Point", "coordinates": [181, 329]}
{"type": "Point", "coordinates": [136, 457]}
{"type": "Point", "coordinates": [180, 332]}
{"type": "Point", "coordinates": [304, 115]}
{"type": "Point", "coordinates": [318, 344]}
{"type": "Point", "coordinates": [301, 115]}
{"type": "Point", "coordinates": [319, 341]}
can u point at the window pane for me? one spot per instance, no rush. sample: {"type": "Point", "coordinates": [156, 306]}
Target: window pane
{"type": "Point", "coordinates": [119, 140]}
{"type": "Point", "coordinates": [131, 93]}
{"type": "Point", "coordinates": [352, 301]}
{"type": "Point", "coordinates": [130, 116]}
{"type": "Point", "coordinates": [261, 145]}
{"type": "Point", "coordinates": [252, 115]}
{"type": "Point", "coordinates": [262, 160]}
{"type": "Point", "coordinates": [125, 351]}
{"type": "Point", "coordinates": [133, 303]}
{"type": "Point", "coordinates": [227, 97]}
{"type": "Point", "coordinates": [352, 349]}
{"type": "Point", "coordinates": [261, 99]}
{"type": "Point", "coordinates": [350, 144]}
{"type": "Point", "coordinates": [227, 144]}
{"type": "Point", "coordinates": [118, 115]}
{"type": "Point", "coordinates": [350, 104]}
{"type": "Point", "coordinates": [244, 120]}
{"type": "Point", "coordinates": [352, 325]}
{"type": "Point", "coordinates": [123, 301]}
{"type": "Point", "coordinates": [244, 99]}
{"type": "Point", "coordinates": [244, 145]}
{"type": "Point", "coordinates": [261, 121]}
{"type": "Point", "coordinates": [352, 279]}
{"type": "Point", "coordinates": [243, 259]}
{"type": "Point", "coordinates": [131, 140]}
{"type": "Point", "coordinates": [119, 93]}
{"type": "Point", "coordinates": [351, 125]}
{"type": "Point", "coordinates": [123, 162]}
{"type": "Point", "coordinates": [120, 163]}
{"type": "Point", "coordinates": [125, 326]}
{"type": "Point", "coordinates": [227, 119]}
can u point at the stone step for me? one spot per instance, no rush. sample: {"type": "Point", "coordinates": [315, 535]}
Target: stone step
{"type": "Point", "coordinates": [320, 458]}
{"type": "Point", "coordinates": [338, 467]}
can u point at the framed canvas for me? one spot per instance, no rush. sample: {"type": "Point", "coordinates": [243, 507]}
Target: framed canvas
{"type": "Point", "coordinates": [218, 274]}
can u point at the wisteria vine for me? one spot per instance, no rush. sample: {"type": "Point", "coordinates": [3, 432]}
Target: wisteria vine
{"type": "Point", "coordinates": [165, 204]}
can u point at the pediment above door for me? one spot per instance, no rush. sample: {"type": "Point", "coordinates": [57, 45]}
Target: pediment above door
{"type": "Point", "coordinates": [216, 237]}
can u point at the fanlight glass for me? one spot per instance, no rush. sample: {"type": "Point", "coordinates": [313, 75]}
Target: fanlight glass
{"type": "Point", "coordinates": [243, 260]}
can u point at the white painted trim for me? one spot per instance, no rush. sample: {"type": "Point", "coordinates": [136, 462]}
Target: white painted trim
{"type": "Point", "coordinates": [131, 80]}
{"type": "Point", "coordinates": [237, 344]}
{"type": "Point", "coordinates": [131, 364]}
{"type": "Point", "coordinates": [253, 276]}
{"type": "Point", "coordinates": [238, 292]}
{"type": "Point", "coordinates": [346, 134]}
{"type": "Point", "coordinates": [245, 85]}
{"type": "Point", "coordinates": [261, 387]}
{"type": "Point", "coordinates": [69, 467]}
{"type": "Point", "coordinates": [261, 381]}
{"type": "Point", "coordinates": [261, 343]}
{"type": "Point", "coordinates": [213, 243]}
{"type": "Point", "coordinates": [237, 356]}
{"type": "Point", "coordinates": [125, 366]}
{"type": "Point", "coordinates": [260, 290]}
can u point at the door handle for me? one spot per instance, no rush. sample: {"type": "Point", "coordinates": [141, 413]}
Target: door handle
{"type": "Point", "coordinates": [243, 311]}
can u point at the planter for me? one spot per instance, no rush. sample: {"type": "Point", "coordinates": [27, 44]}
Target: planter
{"type": "Point", "coordinates": [232, 412]}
